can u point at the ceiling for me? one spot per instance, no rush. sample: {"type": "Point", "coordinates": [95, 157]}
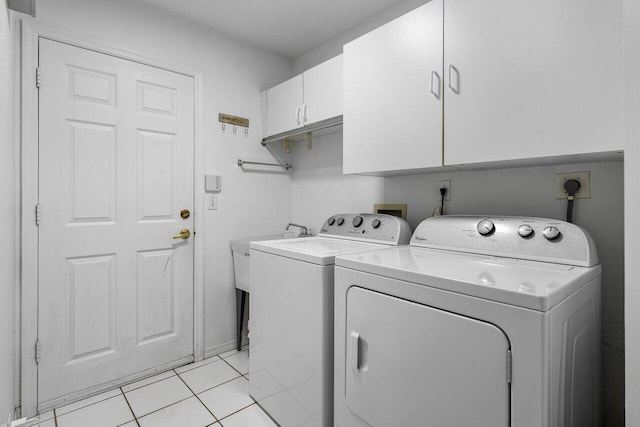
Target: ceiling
{"type": "Point", "coordinates": [287, 27]}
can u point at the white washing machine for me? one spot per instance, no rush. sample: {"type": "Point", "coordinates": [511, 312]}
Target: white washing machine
{"type": "Point", "coordinates": [479, 322]}
{"type": "Point", "coordinates": [291, 314]}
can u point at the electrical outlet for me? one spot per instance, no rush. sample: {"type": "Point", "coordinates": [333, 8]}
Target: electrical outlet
{"type": "Point", "coordinates": [212, 202]}
{"type": "Point", "coordinates": [444, 183]}
{"type": "Point", "coordinates": [584, 178]}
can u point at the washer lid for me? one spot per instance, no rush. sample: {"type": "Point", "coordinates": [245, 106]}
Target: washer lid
{"type": "Point", "coordinates": [316, 250]}
{"type": "Point", "coordinates": [530, 284]}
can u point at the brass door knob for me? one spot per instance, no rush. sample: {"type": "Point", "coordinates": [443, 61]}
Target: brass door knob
{"type": "Point", "coordinates": [184, 234]}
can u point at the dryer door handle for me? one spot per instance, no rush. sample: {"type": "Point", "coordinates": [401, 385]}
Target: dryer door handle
{"type": "Point", "coordinates": [354, 350]}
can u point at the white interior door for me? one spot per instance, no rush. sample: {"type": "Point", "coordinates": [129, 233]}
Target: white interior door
{"type": "Point", "coordinates": [413, 365]}
{"type": "Point", "coordinates": [115, 289]}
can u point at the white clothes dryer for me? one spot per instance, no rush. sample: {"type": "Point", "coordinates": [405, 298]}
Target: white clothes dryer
{"type": "Point", "coordinates": [291, 314]}
{"type": "Point", "coordinates": [481, 321]}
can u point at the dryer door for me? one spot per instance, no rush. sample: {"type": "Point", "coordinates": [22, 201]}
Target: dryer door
{"type": "Point", "coordinates": [409, 365]}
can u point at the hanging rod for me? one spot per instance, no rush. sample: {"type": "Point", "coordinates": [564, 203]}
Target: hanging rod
{"type": "Point", "coordinates": [299, 132]}
{"type": "Point", "coordinates": [245, 162]}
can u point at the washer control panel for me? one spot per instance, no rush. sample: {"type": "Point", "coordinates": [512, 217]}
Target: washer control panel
{"type": "Point", "coordinates": [378, 228]}
{"type": "Point", "coordinates": [538, 239]}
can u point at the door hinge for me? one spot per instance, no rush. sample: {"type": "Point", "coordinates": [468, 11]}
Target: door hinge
{"type": "Point", "coordinates": [509, 366]}
{"type": "Point", "coordinates": [38, 215]}
{"type": "Point", "coordinates": [37, 351]}
{"type": "Point", "coordinates": [38, 77]}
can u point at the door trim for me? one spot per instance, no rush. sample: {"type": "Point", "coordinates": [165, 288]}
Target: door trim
{"type": "Point", "coordinates": [31, 32]}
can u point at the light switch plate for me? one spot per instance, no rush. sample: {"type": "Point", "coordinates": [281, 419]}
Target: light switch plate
{"type": "Point", "coordinates": [213, 183]}
{"type": "Point", "coordinates": [212, 202]}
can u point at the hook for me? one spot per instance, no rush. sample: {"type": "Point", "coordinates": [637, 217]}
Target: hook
{"type": "Point", "coordinates": [246, 132]}
{"type": "Point", "coordinates": [235, 129]}
{"type": "Point", "coordinates": [223, 127]}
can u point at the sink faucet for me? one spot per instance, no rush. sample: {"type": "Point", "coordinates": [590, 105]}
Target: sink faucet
{"type": "Point", "coordinates": [304, 230]}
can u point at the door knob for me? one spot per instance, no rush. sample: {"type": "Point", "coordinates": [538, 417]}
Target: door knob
{"type": "Point", "coordinates": [184, 234]}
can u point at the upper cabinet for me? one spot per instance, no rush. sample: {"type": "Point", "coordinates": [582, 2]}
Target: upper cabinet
{"type": "Point", "coordinates": [323, 88]}
{"type": "Point", "coordinates": [307, 98]}
{"type": "Point", "coordinates": [393, 95]}
{"type": "Point", "coordinates": [473, 81]}
{"type": "Point", "coordinates": [284, 106]}
{"type": "Point", "coordinates": [532, 79]}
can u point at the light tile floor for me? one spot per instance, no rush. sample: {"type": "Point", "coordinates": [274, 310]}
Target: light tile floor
{"type": "Point", "coordinates": [213, 392]}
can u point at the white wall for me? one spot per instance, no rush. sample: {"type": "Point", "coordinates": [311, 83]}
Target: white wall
{"type": "Point", "coordinates": [234, 74]}
{"type": "Point", "coordinates": [319, 188]}
{"type": "Point", "coordinates": [8, 236]}
{"type": "Point", "coordinates": [632, 207]}
{"type": "Point", "coordinates": [333, 47]}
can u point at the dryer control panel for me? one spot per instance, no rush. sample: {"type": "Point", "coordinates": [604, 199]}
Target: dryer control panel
{"type": "Point", "coordinates": [537, 239]}
{"type": "Point", "coordinates": [376, 228]}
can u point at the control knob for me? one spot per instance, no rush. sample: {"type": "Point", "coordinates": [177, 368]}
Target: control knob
{"type": "Point", "coordinates": [551, 233]}
{"type": "Point", "coordinates": [357, 221]}
{"type": "Point", "coordinates": [485, 227]}
{"type": "Point", "coordinates": [525, 231]}
{"type": "Point", "coordinates": [375, 223]}
{"type": "Point", "coordinates": [331, 221]}
{"type": "Point", "coordinates": [340, 221]}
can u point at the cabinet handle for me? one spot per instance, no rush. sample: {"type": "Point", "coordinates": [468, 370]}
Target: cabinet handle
{"type": "Point", "coordinates": [455, 88]}
{"type": "Point", "coordinates": [298, 115]}
{"type": "Point", "coordinates": [355, 350]}
{"type": "Point", "coordinates": [436, 91]}
{"type": "Point", "coordinates": [304, 113]}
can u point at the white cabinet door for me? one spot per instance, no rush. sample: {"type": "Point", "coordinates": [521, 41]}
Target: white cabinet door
{"type": "Point", "coordinates": [532, 79]}
{"type": "Point", "coordinates": [323, 91]}
{"type": "Point", "coordinates": [115, 289]}
{"type": "Point", "coordinates": [393, 95]}
{"type": "Point", "coordinates": [284, 106]}
{"type": "Point", "coordinates": [307, 98]}
{"type": "Point", "coordinates": [412, 365]}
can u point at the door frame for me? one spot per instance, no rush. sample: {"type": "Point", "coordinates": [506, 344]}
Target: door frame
{"type": "Point", "coordinates": [31, 32]}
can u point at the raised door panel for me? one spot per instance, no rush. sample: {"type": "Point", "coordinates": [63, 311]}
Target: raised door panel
{"type": "Point", "coordinates": [323, 91]}
{"type": "Point", "coordinates": [407, 363]}
{"type": "Point", "coordinates": [532, 79]}
{"type": "Point", "coordinates": [284, 106]}
{"type": "Point", "coordinates": [393, 95]}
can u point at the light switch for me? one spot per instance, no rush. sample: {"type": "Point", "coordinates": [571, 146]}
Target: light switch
{"type": "Point", "coordinates": [212, 202]}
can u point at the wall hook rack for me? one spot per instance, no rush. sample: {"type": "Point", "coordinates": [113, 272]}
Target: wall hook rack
{"type": "Point", "coordinates": [235, 121]}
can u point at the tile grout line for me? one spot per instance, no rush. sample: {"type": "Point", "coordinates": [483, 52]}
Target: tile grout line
{"type": "Point", "coordinates": [232, 367]}
{"type": "Point", "coordinates": [153, 382]}
{"type": "Point", "coordinates": [123, 393]}
{"type": "Point", "coordinates": [222, 383]}
{"type": "Point", "coordinates": [164, 407]}
{"type": "Point", "coordinates": [135, 418]}
{"type": "Point", "coordinates": [233, 413]}
{"type": "Point", "coordinates": [195, 367]}
{"type": "Point", "coordinates": [82, 407]}
{"type": "Point", "coordinates": [201, 402]}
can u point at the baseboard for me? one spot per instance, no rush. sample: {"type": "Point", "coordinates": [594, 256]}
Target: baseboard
{"type": "Point", "coordinates": [223, 348]}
